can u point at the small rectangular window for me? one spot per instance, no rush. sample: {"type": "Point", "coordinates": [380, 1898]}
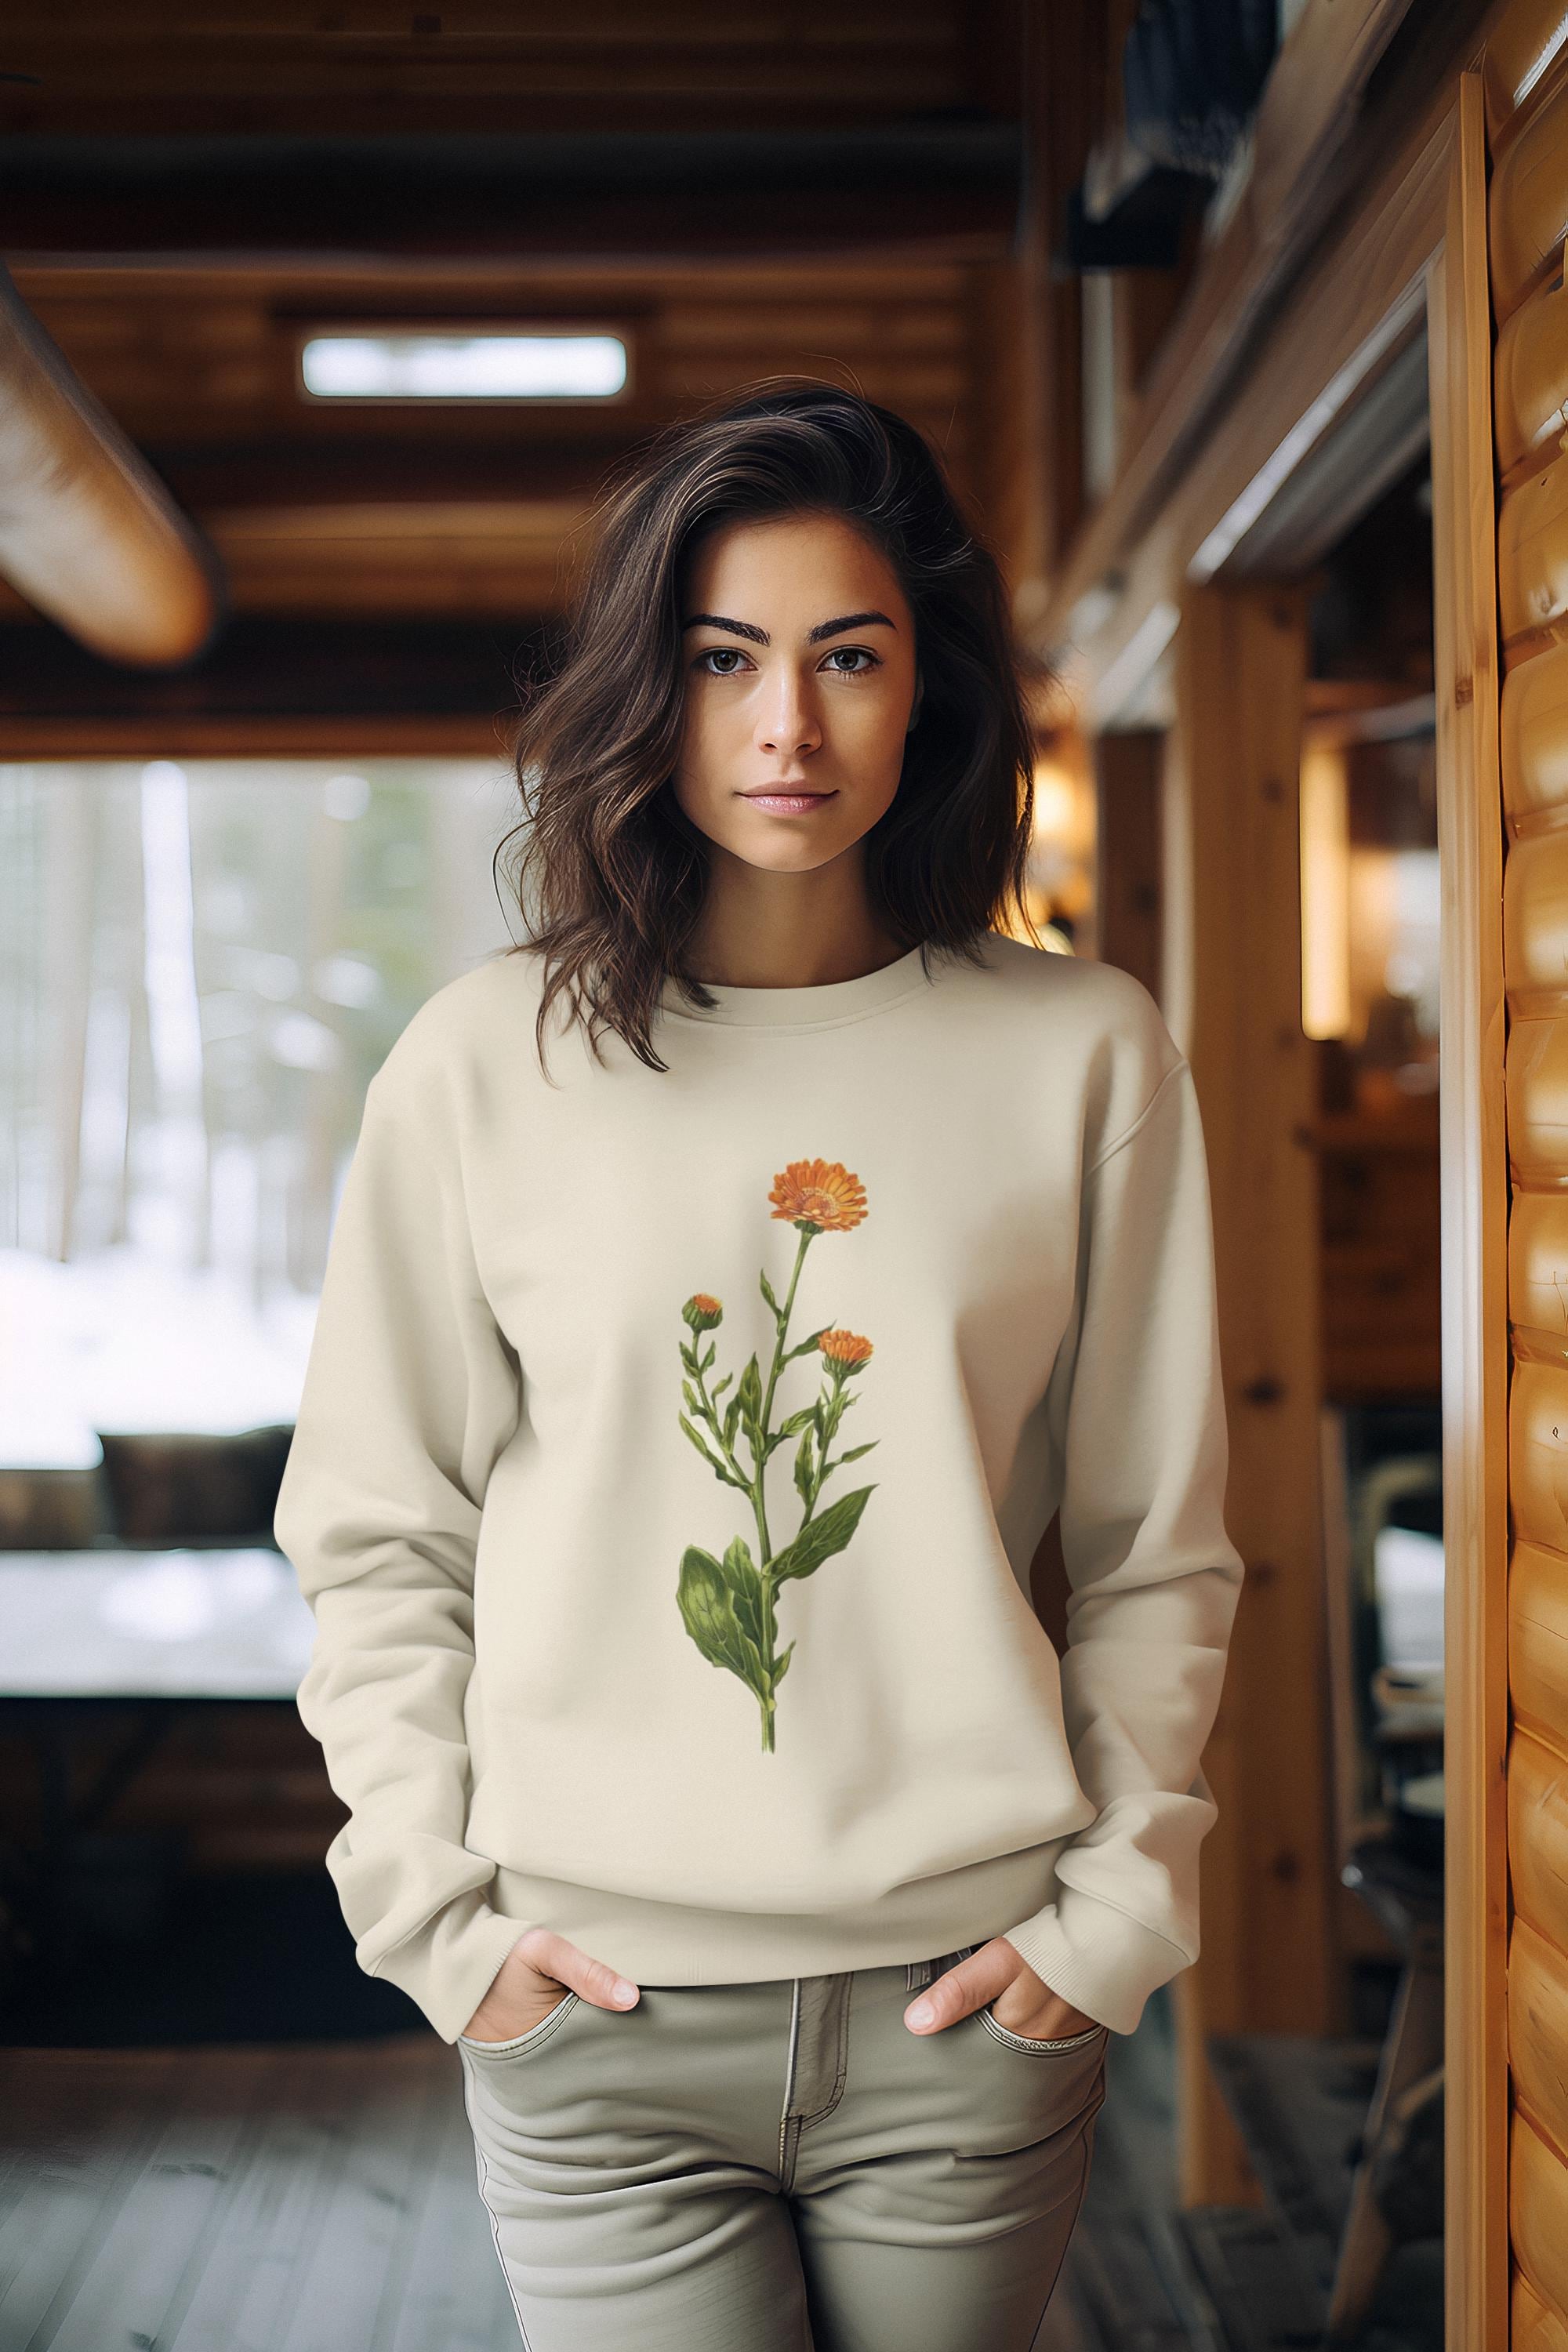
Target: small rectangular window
{"type": "Point", "coordinates": [457, 366]}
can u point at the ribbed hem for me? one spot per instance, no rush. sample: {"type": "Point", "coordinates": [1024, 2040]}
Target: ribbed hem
{"type": "Point", "coordinates": [1102, 1960]}
{"type": "Point", "coordinates": [682, 1944]}
{"type": "Point", "coordinates": [450, 1964]}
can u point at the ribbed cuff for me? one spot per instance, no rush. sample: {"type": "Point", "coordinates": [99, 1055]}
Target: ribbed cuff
{"type": "Point", "coordinates": [1102, 1960]}
{"type": "Point", "coordinates": [448, 1966]}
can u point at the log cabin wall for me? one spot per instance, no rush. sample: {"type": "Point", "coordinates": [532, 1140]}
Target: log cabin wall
{"type": "Point", "coordinates": [1410, 236]}
{"type": "Point", "coordinates": [1528, 214]}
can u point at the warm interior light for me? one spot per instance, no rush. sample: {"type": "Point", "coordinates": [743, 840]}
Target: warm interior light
{"type": "Point", "coordinates": [464, 367]}
{"type": "Point", "coordinates": [1059, 806]}
{"type": "Point", "coordinates": [1325, 894]}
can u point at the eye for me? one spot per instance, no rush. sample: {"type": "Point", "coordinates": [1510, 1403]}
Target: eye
{"type": "Point", "coordinates": [727, 660]}
{"type": "Point", "coordinates": [852, 661]}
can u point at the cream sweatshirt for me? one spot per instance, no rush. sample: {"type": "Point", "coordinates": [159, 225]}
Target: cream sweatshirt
{"type": "Point", "coordinates": [672, 1452]}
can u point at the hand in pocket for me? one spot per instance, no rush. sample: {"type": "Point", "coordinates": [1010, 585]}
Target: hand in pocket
{"type": "Point", "coordinates": [535, 1977]}
{"type": "Point", "coordinates": [995, 1974]}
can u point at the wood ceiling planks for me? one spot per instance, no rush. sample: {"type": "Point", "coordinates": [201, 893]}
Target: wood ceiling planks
{"type": "Point", "coordinates": [369, 509]}
{"type": "Point", "coordinates": [189, 189]}
{"type": "Point", "coordinates": [484, 65]}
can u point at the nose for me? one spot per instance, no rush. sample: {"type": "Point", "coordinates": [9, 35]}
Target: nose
{"type": "Point", "coordinates": [786, 724]}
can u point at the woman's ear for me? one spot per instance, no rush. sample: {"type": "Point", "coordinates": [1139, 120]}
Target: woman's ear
{"type": "Point", "coordinates": [915, 705]}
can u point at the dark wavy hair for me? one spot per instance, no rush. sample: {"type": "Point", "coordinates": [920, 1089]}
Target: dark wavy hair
{"type": "Point", "coordinates": [611, 873]}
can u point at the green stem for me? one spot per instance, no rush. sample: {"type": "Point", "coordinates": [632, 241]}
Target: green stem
{"type": "Point", "coordinates": [833, 1399]}
{"type": "Point", "coordinates": [770, 1643]}
{"type": "Point", "coordinates": [710, 1414]}
{"type": "Point", "coordinates": [780, 1336]}
{"type": "Point", "coordinates": [782, 1333]}
{"type": "Point", "coordinates": [759, 1501]}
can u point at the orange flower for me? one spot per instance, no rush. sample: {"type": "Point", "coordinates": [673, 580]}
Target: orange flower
{"type": "Point", "coordinates": [820, 1193]}
{"type": "Point", "coordinates": [701, 1312]}
{"type": "Point", "coordinates": [844, 1350]}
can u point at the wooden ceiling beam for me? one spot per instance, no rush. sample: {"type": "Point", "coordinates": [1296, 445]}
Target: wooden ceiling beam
{"type": "Point", "coordinates": [277, 669]}
{"type": "Point", "coordinates": [731, 194]}
{"type": "Point", "coordinates": [88, 533]}
{"type": "Point", "coordinates": [1316, 143]}
{"type": "Point", "coordinates": [469, 65]}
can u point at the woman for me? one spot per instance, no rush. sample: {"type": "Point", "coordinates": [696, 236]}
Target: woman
{"type": "Point", "coordinates": [727, 1288]}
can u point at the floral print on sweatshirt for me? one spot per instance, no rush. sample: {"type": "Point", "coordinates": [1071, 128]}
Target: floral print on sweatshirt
{"type": "Point", "coordinates": [729, 1604]}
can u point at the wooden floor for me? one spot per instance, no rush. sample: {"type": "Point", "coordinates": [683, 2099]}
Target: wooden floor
{"type": "Point", "coordinates": [1142, 2276]}
{"type": "Point", "coordinates": [321, 2197]}
{"type": "Point", "coordinates": [308, 2197]}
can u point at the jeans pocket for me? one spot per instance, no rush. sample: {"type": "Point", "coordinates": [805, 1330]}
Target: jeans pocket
{"type": "Point", "coordinates": [520, 2043]}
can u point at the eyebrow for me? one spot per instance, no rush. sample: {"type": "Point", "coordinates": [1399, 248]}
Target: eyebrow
{"type": "Point", "coordinates": [813, 637]}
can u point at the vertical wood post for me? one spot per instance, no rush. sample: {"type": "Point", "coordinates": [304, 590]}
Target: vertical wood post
{"type": "Point", "coordinates": [1232, 996]}
{"type": "Point", "coordinates": [1129, 780]}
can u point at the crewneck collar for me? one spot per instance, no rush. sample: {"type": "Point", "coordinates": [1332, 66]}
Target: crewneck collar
{"type": "Point", "coordinates": [824, 1006]}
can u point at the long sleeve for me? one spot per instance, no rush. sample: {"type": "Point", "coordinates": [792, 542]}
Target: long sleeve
{"type": "Point", "coordinates": [410, 1393]}
{"type": "Point", "coordinates": [1136, 1414]}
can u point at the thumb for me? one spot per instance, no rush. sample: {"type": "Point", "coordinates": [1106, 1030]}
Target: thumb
{"type": "Point", "coordinates": [594, 1980]}
{"type": "Point", "coordinates": [966, 1987]}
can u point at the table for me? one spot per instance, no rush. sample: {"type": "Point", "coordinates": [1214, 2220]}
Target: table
{"type": "Point", "coordinates": [146, 1633]}
{"type": "Point", "coordinates": [197, 1622]}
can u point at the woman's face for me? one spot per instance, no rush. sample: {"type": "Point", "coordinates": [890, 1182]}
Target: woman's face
{"type": "Point", "coordinates": [799, 666]}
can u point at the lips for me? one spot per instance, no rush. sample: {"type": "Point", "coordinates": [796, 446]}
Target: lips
{"type": "Point", "coordinates": [786, 799]}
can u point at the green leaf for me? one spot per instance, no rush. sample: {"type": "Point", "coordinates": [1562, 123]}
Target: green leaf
{"type": "Point", "coordinates": [807, 1346]}
{"type": "Point", "coordinates": [732, 1416]}
{"type": "Point", "coordinates": [719, 1386]}
{"type": "Point", "coordinates": [708, 1359]}
{"type": "Point", "coordinates": [688, 1356]}
{"type": "Point", "coordinates": [853, 1453]}
{"type": "Point", "coordinates": [749, 1396]}
{"type": "Point", "coordinates": [708, 1611]}
{"type": "Point", "coordinates": [781, 1666]}
{"type": "Point", "coordinates": [821, 1538]}
{"type": "Point", "coordinates": [689, 1393]}
{"type": "Point", "coordinates": [768, 1293]}
{"type": "Point", "coordinates": [798, 1421]}
{"type": "Point", "coordinates": [713, 1463]}
{"type": "Point", "coordinates": [804, 1467]}
{"type": "Point", "coordinates": [747, 1594]}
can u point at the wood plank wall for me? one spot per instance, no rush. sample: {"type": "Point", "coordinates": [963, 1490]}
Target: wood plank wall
{"type": "Point", "coordinates": [1528, 216]}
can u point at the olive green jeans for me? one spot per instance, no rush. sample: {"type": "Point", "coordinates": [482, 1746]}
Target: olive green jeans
{"type": "Point", "coordinates": [782, 2167]}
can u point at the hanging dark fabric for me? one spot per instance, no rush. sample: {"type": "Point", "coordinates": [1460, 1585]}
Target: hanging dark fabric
{"type": "Point", "coordinates": [1192, 73]}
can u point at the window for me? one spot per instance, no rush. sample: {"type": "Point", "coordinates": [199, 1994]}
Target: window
{"type": "Point", "coordinates": [202, 963]}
